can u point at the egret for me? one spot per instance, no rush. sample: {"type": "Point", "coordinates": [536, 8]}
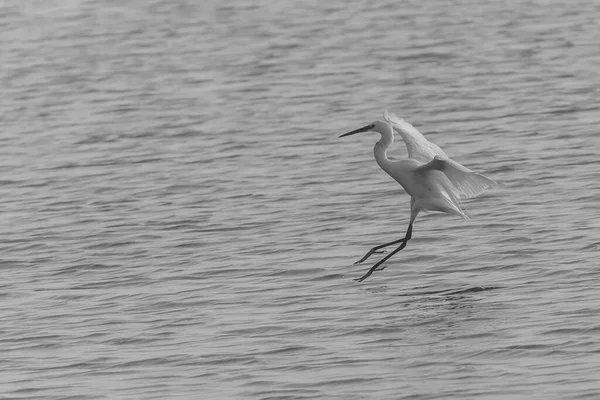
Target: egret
{"type": "Point", "coordinates": [433, 181]}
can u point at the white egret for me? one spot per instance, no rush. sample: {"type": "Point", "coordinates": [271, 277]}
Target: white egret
{"type": "Point", "coordinates": [433, 181]}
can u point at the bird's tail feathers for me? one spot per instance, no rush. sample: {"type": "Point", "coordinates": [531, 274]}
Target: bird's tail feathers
{"type": "Point", "coordinates": [452, 196]}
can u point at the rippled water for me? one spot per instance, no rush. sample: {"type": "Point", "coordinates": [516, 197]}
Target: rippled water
{"type": "Point", "coordinates": [179, 219]}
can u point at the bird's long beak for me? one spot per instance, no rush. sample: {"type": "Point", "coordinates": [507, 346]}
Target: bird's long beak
{"type": "Point", "coordinates": [359, 130]}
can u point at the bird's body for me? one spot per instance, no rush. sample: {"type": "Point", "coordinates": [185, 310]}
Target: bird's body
{"type": "Point", "coordinates": [433, 181]}
{"type": "Point", "coordinates": [430, 189]}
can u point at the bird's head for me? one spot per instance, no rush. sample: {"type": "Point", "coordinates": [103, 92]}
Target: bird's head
{"type": "Point", "coordinates": [377, 126]}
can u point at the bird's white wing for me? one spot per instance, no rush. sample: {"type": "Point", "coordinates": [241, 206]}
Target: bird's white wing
{"type": "Point", "coordinates": [418, 147]}
{"type": "Point", "coordinates": [468, 183]}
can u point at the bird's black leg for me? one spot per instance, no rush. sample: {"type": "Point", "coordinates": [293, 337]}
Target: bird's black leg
{"type": "Point", "coordinates": [376, 266]}
{"type": "Point", "coordinates": [376, 250]}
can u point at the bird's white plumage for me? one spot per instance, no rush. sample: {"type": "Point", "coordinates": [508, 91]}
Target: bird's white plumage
{"type": "Point", "coordinates": [418, 147]}
{"type": "Point", "coordinates": [467, 183]}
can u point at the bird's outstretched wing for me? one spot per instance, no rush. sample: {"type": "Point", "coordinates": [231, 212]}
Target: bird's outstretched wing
{"type": "Point", "coordinates": [418, 147]}
{"type": "Point", "coordinates": [468, 183]}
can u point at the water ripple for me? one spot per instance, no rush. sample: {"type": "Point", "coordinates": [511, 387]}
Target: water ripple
{"type": "Point", "coordinates": [180, 219]}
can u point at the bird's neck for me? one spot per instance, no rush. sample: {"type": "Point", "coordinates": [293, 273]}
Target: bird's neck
{"type": "Point", "coordinates": [382, 146]}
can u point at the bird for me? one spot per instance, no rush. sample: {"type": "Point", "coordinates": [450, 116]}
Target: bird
{"type": "Point", "coordinates": [433, 181]}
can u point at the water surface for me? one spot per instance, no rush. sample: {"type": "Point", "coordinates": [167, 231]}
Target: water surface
{"type": "Point", "coordinates": [179, 219]}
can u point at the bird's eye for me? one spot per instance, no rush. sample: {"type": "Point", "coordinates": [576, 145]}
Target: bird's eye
{"type": "Point", "coordinates": [371, 126]}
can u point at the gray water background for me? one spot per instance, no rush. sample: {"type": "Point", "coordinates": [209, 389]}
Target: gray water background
{"type": "Point", "coordinates": [179, 218]}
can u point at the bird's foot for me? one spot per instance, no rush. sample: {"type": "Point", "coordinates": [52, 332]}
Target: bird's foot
{"type": "Point", "coordinates": [374, 268]}
{"type": "Point", "coordinates": [369, 254]}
